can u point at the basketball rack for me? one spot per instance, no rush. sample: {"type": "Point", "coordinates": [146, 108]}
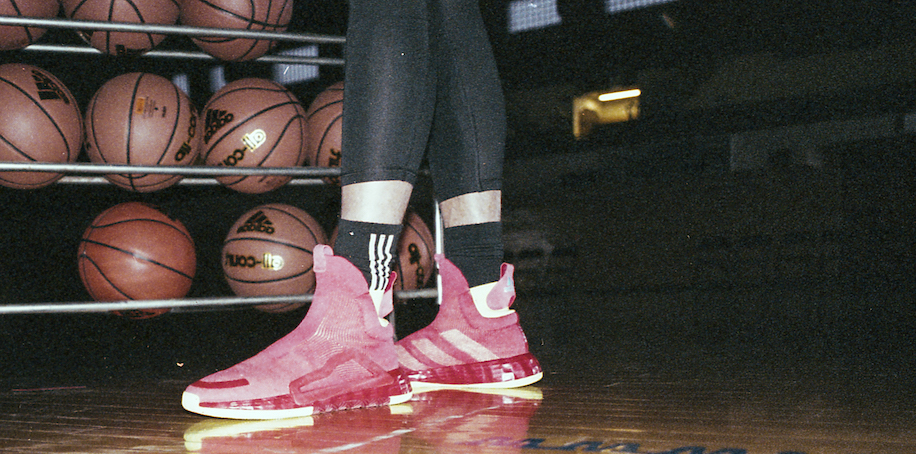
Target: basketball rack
{"type": "Point", "coordinates": [91, 174]}
{"type": "Point", "coordinates": [183, 30]}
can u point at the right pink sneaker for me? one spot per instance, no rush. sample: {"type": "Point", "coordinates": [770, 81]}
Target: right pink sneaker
{"type": "Point", "coordinates": [462, 348]}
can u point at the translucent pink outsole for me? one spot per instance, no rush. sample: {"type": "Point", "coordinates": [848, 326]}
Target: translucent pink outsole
{"type": "Point", "coordinates": [521, 370]}
{"type": "Point", "coordinates": [397, 391]}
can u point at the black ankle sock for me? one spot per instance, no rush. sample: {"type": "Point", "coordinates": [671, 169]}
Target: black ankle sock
{"type": "Point", "coordinates": [370, 247]}
{"type": "Point", "coordinates": [476, 249]}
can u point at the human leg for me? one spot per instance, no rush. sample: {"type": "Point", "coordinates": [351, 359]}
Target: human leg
{"type": "Point", "coordinates": [342, 354]}
{"type": "Point", "coordinates": [388, 105]}
{"type": "Point", "coordinates": [369, 228]}
{"type": "Point", "coordinates": [467, 139]}
{"type": "Point", "coordinates": [476, 339]}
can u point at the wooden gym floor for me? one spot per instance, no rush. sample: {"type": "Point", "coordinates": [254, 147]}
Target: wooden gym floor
{"type": "Point", "coordinates": [704, 406]}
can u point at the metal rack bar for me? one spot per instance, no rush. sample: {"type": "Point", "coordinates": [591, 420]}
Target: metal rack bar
{"type": "Point", "coordinates": [188, 55]}
{"type": "Point", "coordinates": [170, 29]}
{"type": "Point", "coordinates": [212, 171]}
{"type": "Point", "coordinates": [100, 181]}
{"type": "Point", "coordinates": [183, 303]}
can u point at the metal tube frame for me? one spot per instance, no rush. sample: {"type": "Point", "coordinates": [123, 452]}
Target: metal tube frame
{"type": "Point", "coordinates": [301, 175]}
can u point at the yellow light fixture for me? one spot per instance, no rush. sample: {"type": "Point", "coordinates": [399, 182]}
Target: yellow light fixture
{"type": "Point", "coordinates": [616, 95]}
{"type": "Point", "coordinates": [599, 107]}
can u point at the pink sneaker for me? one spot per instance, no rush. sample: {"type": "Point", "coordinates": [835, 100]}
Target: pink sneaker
{"type": "Point", "coordinates": [339, 357]}
{"type": "Point", "coordinates": [461, 348]}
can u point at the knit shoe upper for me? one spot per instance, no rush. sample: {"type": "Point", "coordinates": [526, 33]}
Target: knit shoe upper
{"type": "Point", "coordinates": [339, 357]}
{"type": "Point", "coordinates": [463, 348]}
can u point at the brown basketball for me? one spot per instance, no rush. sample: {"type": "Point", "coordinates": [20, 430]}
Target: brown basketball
{"type": "Point", "coordinates": [13, 37]}
{"type": "Point", "coordinates": [133, 251]}
{"type": "Point", "coordinates": [268, 252]}
{"type": "Point", "coordinates": [253, 123]}
{"type": "Point", "coordinates": [416, 252]}
{"type": "Point", "coordinates": [416, 249]}
{"type": "Point", "coordinates": [160, 12]}
{"type": "Point", "coordinates": [141, 119]}
{"type": "Point", "coordinates": [324, 118]}
{"type": "Point", "coordinates": [254, 15]}
{"type": "Point", "coordinates": [39, 122]}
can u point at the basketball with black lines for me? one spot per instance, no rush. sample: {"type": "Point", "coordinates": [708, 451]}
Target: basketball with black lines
{"type": "Point", "coordinates": [268, 252]}
{"type": "Point", "coordinates": [253, 122]}
{"type": "Point", "coordinates": [17, 37]}
{"type": "Point", "coordinates": [40, 121]}
{"type": "Point", "coordinates": [324, 119]}
{"type": "Point", "coordinates": [416, 251]}
{"type": "Point", "coordinates": [158, 12]}
{"type": "Point", "coordinates": [141, 119]}
{"type": "Point", "coordinates": [254, 15]}
{"type": "Point", "coordinates": [134, 251]}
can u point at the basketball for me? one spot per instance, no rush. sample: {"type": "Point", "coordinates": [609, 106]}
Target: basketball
{"type": "Point", "coordinates": [13, 37]}
{"type": "Point", "coordinates": [254, 15]}
{"type": "Point", "coordinates": [141, 119]}
{"type": "Point", "coordinates": [416, 249]}
{"type": "Point", "coordinates": [133, 251]}
{"type": "Point", "coordinates": [324, 118]}
{"type": "Point", "coordinates": [39, 122]}
{"type": "Point", "coordinates": [253, 123]}
{"type": "Point", "coordinates": [159, 12]}
{"type": "Point", "coordinates": [416, 252]}
{"type": "Point", "coordinates": [268, 252]}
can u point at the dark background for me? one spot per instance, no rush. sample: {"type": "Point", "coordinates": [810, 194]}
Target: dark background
{"type": "Point", "coordinates": [759, 211]}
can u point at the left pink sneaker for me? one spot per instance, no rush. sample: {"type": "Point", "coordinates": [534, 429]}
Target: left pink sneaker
{"type": "Point", "coordinates": [340, 357]}
{"type": "Point", "coordinates": [462, 348]}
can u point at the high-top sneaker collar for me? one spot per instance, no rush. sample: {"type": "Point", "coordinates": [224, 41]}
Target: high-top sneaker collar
{"type": "Point", "coordinates": [457, 300]}
{"type": "Point", "coordinates": [503, 295]}
{"type": "Point", "coordinates": [341, 287]}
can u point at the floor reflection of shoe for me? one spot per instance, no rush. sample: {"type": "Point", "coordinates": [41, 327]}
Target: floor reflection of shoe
{"type": "Point", "coordinates": [341, 356]}
{"type": "Point", "coordinates": [376, 430]}
{"type": "Point", "coordinates": [463, 348]}
{"type": "Point", "coordinates": [461, 421]}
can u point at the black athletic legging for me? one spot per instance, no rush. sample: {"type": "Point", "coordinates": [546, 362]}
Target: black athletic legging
{"type": "Point", "coordinates": [420, 75]}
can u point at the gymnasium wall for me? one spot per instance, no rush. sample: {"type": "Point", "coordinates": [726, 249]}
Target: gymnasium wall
{"type": "Point", "coordinates": [675, 251]}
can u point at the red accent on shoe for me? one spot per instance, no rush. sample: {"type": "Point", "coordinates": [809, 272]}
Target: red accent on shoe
{"type": "Point", "coordinates": [221, 384]}
{"type": "Point", "coordinates": [461, 347]}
